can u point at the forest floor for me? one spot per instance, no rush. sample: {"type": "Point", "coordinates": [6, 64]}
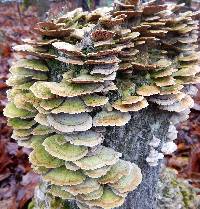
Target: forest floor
{"type": "Point", "coordinates": [17, 181]}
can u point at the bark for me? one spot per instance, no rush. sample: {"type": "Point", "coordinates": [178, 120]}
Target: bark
{"type": "Point", "coordinates": [133, 141]}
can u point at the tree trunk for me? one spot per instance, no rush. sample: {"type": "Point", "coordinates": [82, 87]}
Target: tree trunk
{"type": "Point", "coordinates": [132, 141]}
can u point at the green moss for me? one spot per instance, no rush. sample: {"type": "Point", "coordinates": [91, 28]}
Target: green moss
{"type": "Point", "coordinates": [175, 193]}
{"type": "Point", "coordinates": [142, 78]}
{"type": "Point", "coordinates": [56, 69]}
{"type": "Point", "coordinates": [54, 203]}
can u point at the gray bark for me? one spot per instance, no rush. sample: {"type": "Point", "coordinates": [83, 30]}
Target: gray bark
{"type": "Point", "coordinates": [132, 140]}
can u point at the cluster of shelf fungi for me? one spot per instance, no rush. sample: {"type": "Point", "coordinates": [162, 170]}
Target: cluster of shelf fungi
{"type": "Point", "coordinates": [87, 71]}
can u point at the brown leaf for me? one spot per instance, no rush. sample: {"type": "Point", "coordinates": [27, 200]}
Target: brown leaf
{"type": "Point", "coordinates": [8, 204]}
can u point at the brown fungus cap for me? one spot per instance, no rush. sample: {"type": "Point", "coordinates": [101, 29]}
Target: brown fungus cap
{"type": "Point", "coordinates": [52, 29]}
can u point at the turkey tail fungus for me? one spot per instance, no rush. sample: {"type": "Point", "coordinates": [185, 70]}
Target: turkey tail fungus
{"type": "Point", "coordinates": [97, 96]}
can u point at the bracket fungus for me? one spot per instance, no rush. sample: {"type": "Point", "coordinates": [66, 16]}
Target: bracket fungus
{"type": "Point", "coordinates": [90, 70]}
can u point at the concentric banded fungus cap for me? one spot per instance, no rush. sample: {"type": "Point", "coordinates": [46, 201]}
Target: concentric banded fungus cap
{"type": "Point", "coordinates": [92, 195]}
{"type": "Point", "coordinates": [11, 93]}
{"type": "Point", "coordinates": [67, 123]}
{"type": "Point", "coordinates": [148, 90]}
{"type": "Point", "coordinates": [185, 103]}
{"type": "Point", "coordinates": [40, 90]}
{"type": "Point", "coordinates": [88, 186]}
{"type": "Point", "coordinates": [40, 157]}
{"type": "Point", "coordinates": [57, 146]}
{"type": "Point", "coordinates": [97, 173]}
{"type": "Point", "coordinates": [71, 166]}
{"type": "Point", "coordinates": [130, 182]}
{"type": "Point", "coordinates": [167, 99]}
{"type": "Point", "coordinates": [188, 80]}
{"type": "Point", "coordinates": [130, 107]}
{"type": "Point", "coordinates": [87, 78]}
{"type": "Point", "coordinates": [24, 101]}
{"type": "Point", "coordinates": [127, 100]}
{"type": "Point", "coordinates": [105, 156]}
{"type": "Point", "coordinates": [108, 200]}
{"type": "Point", "coordinates": [73, 90]}
{"type": "Point", "coordinates": [106, 52]}
{"type": "Point", "coordinates": [188, 58]}
{"type": "Point", "coordinates": [58, 192]}
{"type": "Point", "coordinates": [175, 89]}
{"type": "Point", "coordinates": [187, 70]}
{"type": "Point", "coordinates": [68, 48]}
{"type": "Point", "coordinates": [18, 123]}
{"type": "Point", "coordinates": [22, 132]}
{"type": "Point", "coordinates": [39, 52]}
{"type": "Point", "coordinates": [41, 119]}
{"type": "Point", "coordinates": [18, 80]}
{"type": "Point", "coordinates": [42, 130]}
{"type": "Point", "coordinates": [38, 42]}
{"type": "Point", "coordinates": [165, 81]}
{"type": "Point", "coordinates": [63, 177]}
{"type": "Point", "coordinates": [94, 100]}
{"type": "Point", "coordinates": [117, 171]}
{"type": "Point", "coordinates": [71, 106]}
{"type": "Point", "coordinates": [113, 118]}
{"type": "Point", "coordinates": [40, 170]}
{"type": "Point", "coordinates": [25, 72]}
{"type": "Point", "coordinates": [35, 140]}
{"type": "Point", "coordinates": [87, 138]}
{"type": "Point", "coordinates": [18, 138]}
{"type": "Point", "coordinates": [105, 60]}
{"type": "Point", "coordinates": [12, 111]}
{"type": "Point", "coordinates": [102, 35]}
{"type": "Point", "coordinates": [51, 103]}
{"type": "Point", "coordinates": [25, 143]}
{"type": "Point", "coordinates": [104, 69]}
{"type": "Point", "coordinates": [33, 64]}
{"type": "Point", "coordinates": [118, 193]}
{"type": "Point", "coordinates": [70, 60]}
{"type": "Point", "coordinates": [52, 30]}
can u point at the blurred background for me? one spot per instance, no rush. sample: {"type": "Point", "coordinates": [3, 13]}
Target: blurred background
{"type": "Point", "coordinates": [17, 181]}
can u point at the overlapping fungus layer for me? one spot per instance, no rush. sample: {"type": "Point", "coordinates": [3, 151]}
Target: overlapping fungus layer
{"type": "Point", "coordinates": [87, 72]}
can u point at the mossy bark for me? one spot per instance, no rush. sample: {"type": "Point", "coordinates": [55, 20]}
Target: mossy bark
{"type": "Point", "coordinates": [132, 140]}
